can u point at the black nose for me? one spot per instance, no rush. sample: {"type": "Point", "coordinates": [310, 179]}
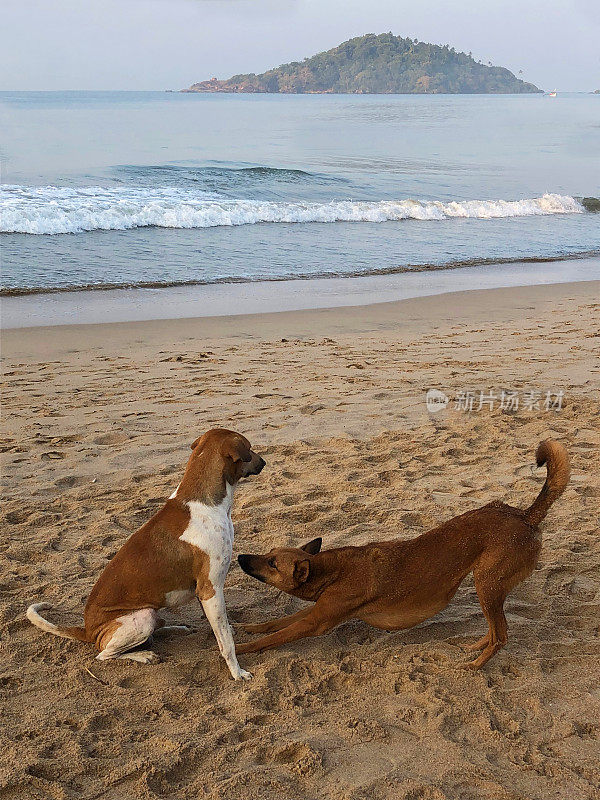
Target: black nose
{"type": "Point", "coordinates": [261, 463]}
{"type": "Point", "coordinates": [243, 562]}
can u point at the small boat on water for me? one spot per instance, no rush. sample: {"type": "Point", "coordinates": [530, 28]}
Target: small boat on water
{"type": "Point", "coordinates": [551, 94]}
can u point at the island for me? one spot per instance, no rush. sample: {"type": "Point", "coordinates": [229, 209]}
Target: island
{"type": "Point", "coordinates": [378, 64]}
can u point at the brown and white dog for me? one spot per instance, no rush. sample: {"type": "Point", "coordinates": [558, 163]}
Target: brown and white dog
{"type": "Point", "coordinates": [398, 584]}
{"type": "Point", "coordinates": [183, 552]}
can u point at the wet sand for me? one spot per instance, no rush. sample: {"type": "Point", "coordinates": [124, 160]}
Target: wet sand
{"type": "Point", "coordinates": [227, 299]}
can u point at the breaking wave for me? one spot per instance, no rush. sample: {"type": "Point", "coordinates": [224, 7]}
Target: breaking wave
{"type": "Point", "coordinates": [53, 210]}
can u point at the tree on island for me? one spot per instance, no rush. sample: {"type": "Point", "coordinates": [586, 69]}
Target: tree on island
{"type": "Point", "coordinates": [378, 64]}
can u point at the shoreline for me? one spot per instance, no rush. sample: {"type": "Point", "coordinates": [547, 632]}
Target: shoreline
{"type": "Point", "coordinates": [235, 299]}
{"type": "Point", "coordinates": [28, 291]}
{"type": "Point", "coordinates": [412, 315]}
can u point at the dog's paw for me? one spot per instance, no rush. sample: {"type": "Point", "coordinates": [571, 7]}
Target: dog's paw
{"type": "Point", "coordinates": [173, 629]}
{"type": "Point", "coordinates": [469, 665]}
{"type": "Point", "coordinates": [142, 657]}
{"type": "Point", "coordinates": [242, 675]}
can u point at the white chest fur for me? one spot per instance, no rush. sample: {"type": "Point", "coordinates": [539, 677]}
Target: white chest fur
{"type": "Point", "coordinates": [210, 529]}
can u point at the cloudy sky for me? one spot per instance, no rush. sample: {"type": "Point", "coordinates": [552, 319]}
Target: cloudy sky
{"type": "Point", "coordinates": [160, 44]}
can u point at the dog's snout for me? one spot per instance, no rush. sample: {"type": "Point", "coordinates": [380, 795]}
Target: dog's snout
{"type": "Point", "coordinates": [261, 463]}
{"type": "Point", "coordinates": [251, 566]}
{"type": "Point", "coordinates": [243, 561]}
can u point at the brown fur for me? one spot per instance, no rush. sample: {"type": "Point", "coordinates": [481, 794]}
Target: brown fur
{"type": "Point", "coordinates": [154, 561]}
{"type": "Point", "coordinates": [399, 584]}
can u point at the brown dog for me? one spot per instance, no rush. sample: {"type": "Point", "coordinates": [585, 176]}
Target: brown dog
{"type": "Point", "coordinates": [183, 552]}
{"type": "Point", "coordinates": [398, 584]}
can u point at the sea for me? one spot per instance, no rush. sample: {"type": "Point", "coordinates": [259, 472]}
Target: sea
{"type": "Point", "coordinates": [159, 189]}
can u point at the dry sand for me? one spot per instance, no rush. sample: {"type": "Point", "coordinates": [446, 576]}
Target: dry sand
{"type": "Point", "coordinates": [98, 422]}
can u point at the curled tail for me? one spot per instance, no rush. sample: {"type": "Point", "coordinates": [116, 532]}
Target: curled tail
{"type": "Point", "coordinates": [67, 633]}
{"type": "Point", "coordinates": [556, 459]}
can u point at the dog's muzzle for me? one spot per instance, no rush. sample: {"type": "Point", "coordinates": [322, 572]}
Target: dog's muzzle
{"type": "Point", "coordinates": [244, 560]}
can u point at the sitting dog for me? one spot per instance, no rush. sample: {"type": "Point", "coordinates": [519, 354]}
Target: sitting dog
{"type": "Point", "coordinates": [183, 552]}
{"type": "Point", "coordinates": [398, 584]}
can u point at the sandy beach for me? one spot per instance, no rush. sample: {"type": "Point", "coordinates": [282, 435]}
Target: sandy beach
{"type": "Point", "coordinates": [98, 420]}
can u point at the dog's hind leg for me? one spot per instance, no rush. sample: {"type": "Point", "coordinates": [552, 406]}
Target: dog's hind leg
{"type": "Point", "coordinates": [480, 644]}
{"type": "Point", "coordinates": [493, 582]}
{"type": "Point", "coordinates": [492, 603]}
{"type": "Point", "coordinates": [277, 624]}
{"type": "Point", "coordinates": [131, 631]}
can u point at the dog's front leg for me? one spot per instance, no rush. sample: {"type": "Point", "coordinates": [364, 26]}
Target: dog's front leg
{"type": "Point", "coordinates": [315, 623]}
{"type": "Point", "coordinates": [277, 624]}
{"type": "Point", "coordinates": [216, 614]}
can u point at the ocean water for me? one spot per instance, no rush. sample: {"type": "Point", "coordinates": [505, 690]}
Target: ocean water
{"type": "Point", "coordinates": [120, 189]}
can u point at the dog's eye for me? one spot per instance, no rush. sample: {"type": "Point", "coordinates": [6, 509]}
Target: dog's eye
{"type": "Point", "coordinates": [271, 562]}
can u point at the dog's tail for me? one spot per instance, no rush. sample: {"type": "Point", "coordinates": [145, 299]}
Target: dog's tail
{"type": "Point", "coordinates": [556, 459]}
{"type": "Point", "coordinates": [68, 633]}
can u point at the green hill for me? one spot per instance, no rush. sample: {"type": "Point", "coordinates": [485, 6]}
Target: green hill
{"type": "Point", "coordinates": [378, 64]}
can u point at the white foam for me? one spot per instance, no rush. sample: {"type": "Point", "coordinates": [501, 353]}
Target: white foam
{"type": "Point", "coordinates": [55, 209]}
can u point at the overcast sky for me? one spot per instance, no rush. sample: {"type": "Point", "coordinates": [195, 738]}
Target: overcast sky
{"type": "Point", "coordinates": [160, 44]}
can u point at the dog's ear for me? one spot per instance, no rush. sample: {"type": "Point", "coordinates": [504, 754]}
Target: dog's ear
{"type": "Point", "coordinates": [237, 450]}
{"type": "Point", "coordinates": [196, 442]}
{"type": "Point", "coordinates": [313, 547]}
{"type": "Point", "coordinates": [301, 571]}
